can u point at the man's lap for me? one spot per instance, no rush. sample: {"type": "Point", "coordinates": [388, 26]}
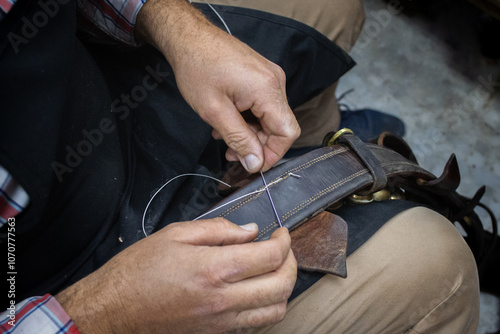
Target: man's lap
{"type": "Point", "coordinates": [416, 273]}
{"type": "Point", "coordinates": [386, 288]}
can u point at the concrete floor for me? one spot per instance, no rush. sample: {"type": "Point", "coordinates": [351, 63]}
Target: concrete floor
{"type": "Point", "coordinates": [424, 65]}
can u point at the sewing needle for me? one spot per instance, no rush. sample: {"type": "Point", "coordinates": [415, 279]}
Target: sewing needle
{"type": "Point", "coordinates": [271, 199]}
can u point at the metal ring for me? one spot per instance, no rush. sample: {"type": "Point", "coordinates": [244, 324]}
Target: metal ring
{"type": "Point", "coordinates": [338, 134]}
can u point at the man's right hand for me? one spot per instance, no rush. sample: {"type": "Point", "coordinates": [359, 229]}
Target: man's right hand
{"type": "Point", "coordinates": [221, 77]}
{"type": "Point", "coordinates": [203, 276]}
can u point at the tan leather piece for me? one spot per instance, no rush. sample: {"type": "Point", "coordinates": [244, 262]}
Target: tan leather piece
{"type": "Point", "coordinates": [320, 244]}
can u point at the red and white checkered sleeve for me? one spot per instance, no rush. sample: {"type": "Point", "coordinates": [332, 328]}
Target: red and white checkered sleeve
{"type": "Point", "coordinates": [13, 198]}
{"type": "Point", "coordinates": [43, 315]}
{"type": "Point", "coordinates": [116, 18]}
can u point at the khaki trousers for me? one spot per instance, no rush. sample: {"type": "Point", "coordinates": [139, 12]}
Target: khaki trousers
{"type": "Point", "coordinates": [416, 274]}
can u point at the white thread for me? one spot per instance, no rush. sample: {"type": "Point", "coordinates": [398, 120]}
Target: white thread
{"type": "Point", "coordinates": [237, 199]}
{"type": "Point", "coordinates": [220, 17]}
{"type": "Point", "coordinates": [163, 186]}
{"type": "Point", "coordinates": [270, 198]}
{"type": "Point", "coordinates": [214, 209]}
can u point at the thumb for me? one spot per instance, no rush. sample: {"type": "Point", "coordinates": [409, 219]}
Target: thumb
{"type": "Point", "coordinates": [214, 232]}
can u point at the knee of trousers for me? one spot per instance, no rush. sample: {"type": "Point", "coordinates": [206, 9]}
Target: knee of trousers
{"type": "Point", "coordinates": [340, 20]}
{"type": "Point", "coordinates": [433, 272]}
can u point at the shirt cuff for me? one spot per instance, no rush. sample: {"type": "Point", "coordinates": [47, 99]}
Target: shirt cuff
{"type": "Point", "coordinates": [116, 18]}
{"type": "Point", "coordinates": [43, 315]}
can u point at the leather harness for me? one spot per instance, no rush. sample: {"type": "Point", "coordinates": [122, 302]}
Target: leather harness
{"type": "Point", "coordinates": [349, 169]}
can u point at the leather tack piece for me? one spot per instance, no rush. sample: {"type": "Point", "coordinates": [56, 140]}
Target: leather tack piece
{"type": "Point", "coordinates": [448, 181]}
{"type": "Point", "coordinates": [320, 244]}
{"type": "Point", "coordinates": [327, 175]}
{"type": "Point", "coordinates": [397, 144]}
{"type": "Point", "coordinates": [369, 160]}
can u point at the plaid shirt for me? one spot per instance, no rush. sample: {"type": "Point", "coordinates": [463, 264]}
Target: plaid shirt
{"type": "Point", "coordinates": [38, 315]}
{"type": "Point", "coordinates": [13, 198]}
{"type": "Point", "coordinates": [115, 18]}
{"type": "Point", "coordinates": [44, 315]}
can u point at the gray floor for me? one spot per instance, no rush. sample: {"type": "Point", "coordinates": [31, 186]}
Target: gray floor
{"type": "Point", "coordinates": [425, 66]}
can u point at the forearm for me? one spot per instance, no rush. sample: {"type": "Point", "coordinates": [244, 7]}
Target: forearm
{"type": "Point", "coordinates": [175, 28]}
{"type": "Point", "coordinates": [88, 311]}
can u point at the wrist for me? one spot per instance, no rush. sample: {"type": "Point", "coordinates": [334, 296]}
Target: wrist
{"type": "Point", "coordinates": [89, 303]}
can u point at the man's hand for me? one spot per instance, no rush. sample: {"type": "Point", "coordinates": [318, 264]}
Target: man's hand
{"type": "Point", "coordinates": [190, 277]}
{"type": "Point", "coordinates": [221, 77]}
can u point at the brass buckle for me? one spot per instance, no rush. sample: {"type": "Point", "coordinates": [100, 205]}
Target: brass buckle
{"type": "Point", "coordinates": [338, 134]}
{"type": "Point", "coordinates": [378, 196]}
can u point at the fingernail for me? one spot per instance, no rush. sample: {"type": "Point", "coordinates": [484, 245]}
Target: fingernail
{"type": "Point", "coordinates": [250, 227]}
{"type": "Point", "coordinates": [251, 163]}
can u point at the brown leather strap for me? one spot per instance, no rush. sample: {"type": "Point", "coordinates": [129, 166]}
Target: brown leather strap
{"type": "Point", "coordinates": [370, 161]}
{"type": "Point", "coordinates": [305, 186]}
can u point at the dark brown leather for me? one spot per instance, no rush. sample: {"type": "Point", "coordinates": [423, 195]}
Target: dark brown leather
{"type": "Point", "coordinates": [448, 181]}
{"type": "Point", "coordinates": [320, 244]}
{"type": "Point", "coordinates": [395, 143]}
{"type": "Point", "coordinates": [327, 175]}
{"type": "Point", "coordinates": [370, 161]}
{"type": "Point", "coordinates": [303, 187]}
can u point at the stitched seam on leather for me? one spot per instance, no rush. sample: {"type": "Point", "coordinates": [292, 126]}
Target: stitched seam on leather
{"type": "Point", "coordinates": [318, 159]}
{"type": "Point", "coordinates": [284, 176]}
{"type": "Point", "coordinates": [265, 230]}
{"type": "Point", "coordinates": [313, 198]}
{"type": "Point", "coordinates": [322, 193]}
{"type": "Point", "coordinates": [390, 163]}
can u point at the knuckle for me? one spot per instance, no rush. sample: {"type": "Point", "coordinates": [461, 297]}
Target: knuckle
{"type": "Point", "coordinates": [272, 76]}
{"type": "Point", "coordinates": [275, 257]}
{"type": "Point", "coordinates": [289, 285]}
{"type": "Point", "coordinates": [217, 304]}
{"type": "Point", "coordinates": [273, 79]}
{"type": "Point", "coordinates": [292, 129]}
{"type": "Point", "coordinates": [222, 226]}
{"type": "Point", "coordinates": [261, 318]}
{"type": "Point", "coordinates": [296, 130]}
{"type": "Point", "coordinates": [222, 222]}
{"type": "Point", "coordinates": [238, 141]}
{"type": "Point", "coordinates": [279, 312]}
{"type": "Point", "coordinates": [211, 112]}
{"type": "Point", "coordinates": [175, 230]}
{"type": "Point", "coordinates": [284, 290]}
{"type": "Point", "coordinates": [212, 278]}
{"type": "Point", "coordinates": [293, 270]}
{"type": "Point", "coordinates": [280, 73]}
